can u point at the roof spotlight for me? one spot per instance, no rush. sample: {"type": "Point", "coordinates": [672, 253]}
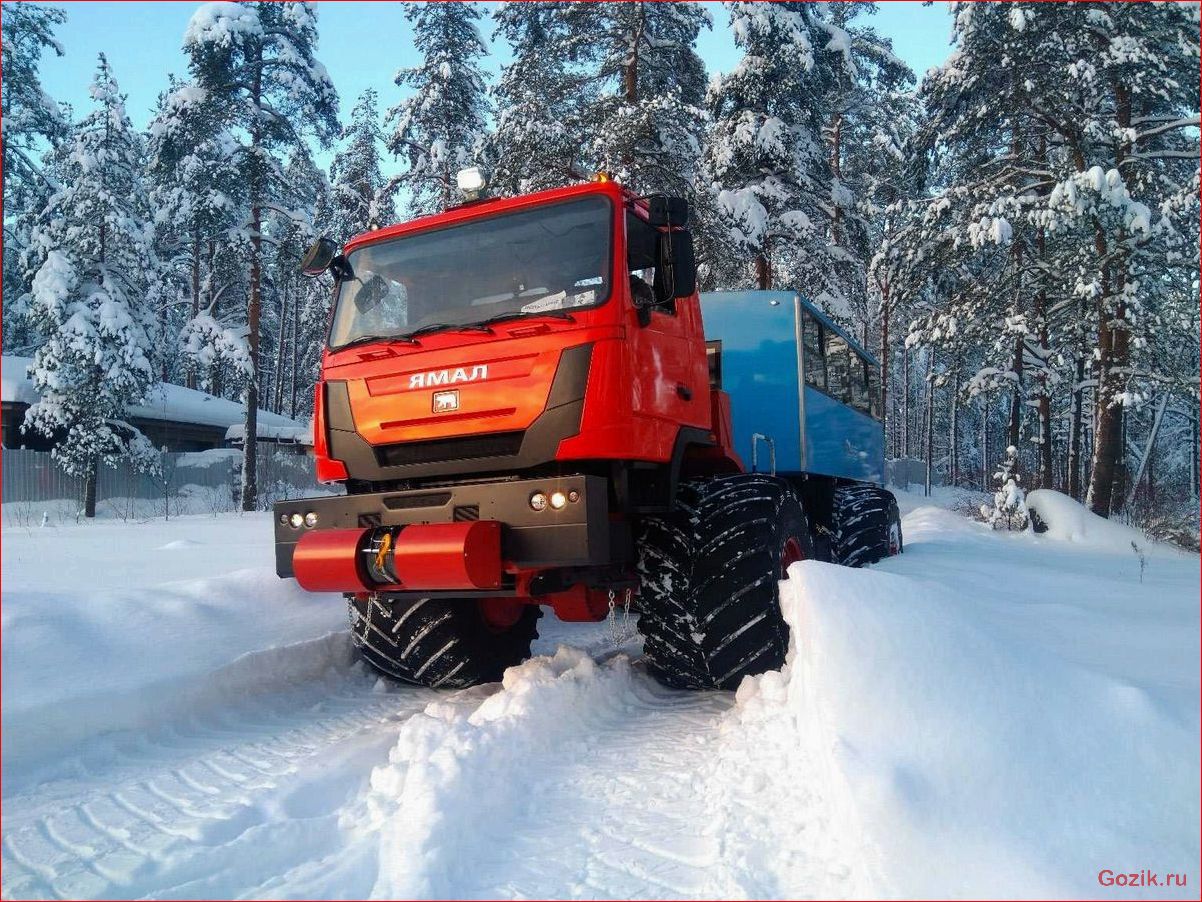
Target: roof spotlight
{"type": "Point", "coordinates": [471, 182]}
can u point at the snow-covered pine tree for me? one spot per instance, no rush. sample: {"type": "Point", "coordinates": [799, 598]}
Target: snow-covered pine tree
{"type": "Point", "coordinates": [290, 232]}
{"type": "Point", "coordinates": [88, 298]}
{"type": "Point", "coordinates": [361, 197]}
{"type": "Point", "coordinates": [764, 160]}
{"type": "Point", "coordinates": [645, 89]}
{"type": "Point", "coordinates": [1070, 167]}
{"type": "Point", "coordinates": [539, 132]}
{"type": "Point", "coordinates": [1010, 500]}
{"type": "Point", "coordinates": [29, 116]}
{"type": "Point", "coordinates": [439, 129]}
{"type": "Point", "coordinates": [313, 313]}
{"type": "Point", "coordinates": [871, 117]}
{"type": "Point", "coordinates": [191, 195]}
{"type": "Point", "coordinates": [257, 62]}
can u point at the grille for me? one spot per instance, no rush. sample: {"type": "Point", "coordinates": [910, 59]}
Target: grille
{"type": "Point", "coordinates": [466, 512]}
{"type": "Point", "coordinates": [499, 444]}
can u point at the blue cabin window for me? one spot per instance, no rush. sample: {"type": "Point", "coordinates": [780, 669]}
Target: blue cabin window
{"type": "Point", "coordinates": [858, 379]}
{"type": "Point", "coordinates": [837, 366]}
{"type": "Point", "coordinates": [814, 363]}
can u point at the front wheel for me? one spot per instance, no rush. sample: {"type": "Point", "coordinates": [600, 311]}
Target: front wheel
{"type": "Point", "coordinates": [447, 643]}
{"type": "Point", "coordinates": [711, 572]}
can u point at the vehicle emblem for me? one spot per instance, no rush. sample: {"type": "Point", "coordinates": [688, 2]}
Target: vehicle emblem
{"type": "Point", "coordinates": [445, 401]}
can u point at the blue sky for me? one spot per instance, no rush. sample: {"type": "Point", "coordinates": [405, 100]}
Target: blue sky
{"type": "Point", "coordinates": [362, 44]}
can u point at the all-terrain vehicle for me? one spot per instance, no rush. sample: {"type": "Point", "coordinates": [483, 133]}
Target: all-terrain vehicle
{"type": "Point", "coordinates": [525, 409]}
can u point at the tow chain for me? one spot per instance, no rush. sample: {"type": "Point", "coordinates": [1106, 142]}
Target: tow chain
{"type": "Point", "coordinates": [619, 636]}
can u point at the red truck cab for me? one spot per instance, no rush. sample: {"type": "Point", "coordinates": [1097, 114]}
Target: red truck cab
{"type": "Point", "coordinates": [537, 363]}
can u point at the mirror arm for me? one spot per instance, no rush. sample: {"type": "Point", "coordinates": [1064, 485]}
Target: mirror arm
{"type": "Point", "coordinates": [340, 268]}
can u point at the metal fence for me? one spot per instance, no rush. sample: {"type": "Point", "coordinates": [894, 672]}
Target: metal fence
{"type": "Point", "coordinates": [188, 482]}
{"type": "Point", "coordinates": [904, 471]}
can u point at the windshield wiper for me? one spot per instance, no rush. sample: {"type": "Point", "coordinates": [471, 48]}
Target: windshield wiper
{"type": "Point", "coordinates": [518, 314]}
{"type": "Point", "coordinates": [368, 339]}
{"type": "Point", "coordinates": [433, 327]}
{"type": "Point", "coordinates": [481, 326]}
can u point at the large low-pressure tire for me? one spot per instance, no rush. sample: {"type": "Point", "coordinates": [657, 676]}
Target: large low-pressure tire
{"type": "Point", "coordinates": [710, 580]}
{"type": "Point", "coordinates": [447, 643]}
{"type": "Point", "coordinates": [865, 525]}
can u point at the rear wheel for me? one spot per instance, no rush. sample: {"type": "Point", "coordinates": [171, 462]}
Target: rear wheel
{"type": "Point", "coordinates": [711, 571]}
{"type": "Point", "coordinates": [448, 643]}
{"type": "Point", "coordinates": [866, 525]}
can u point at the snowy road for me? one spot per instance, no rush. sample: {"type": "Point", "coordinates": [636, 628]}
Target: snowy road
{"type": "Point", "coordinates": [988, 715]}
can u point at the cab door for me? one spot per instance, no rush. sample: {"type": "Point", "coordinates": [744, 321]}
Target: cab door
{"type": "Point", "coordinates": [671, 378]}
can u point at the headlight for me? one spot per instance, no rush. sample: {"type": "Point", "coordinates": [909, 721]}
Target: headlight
{"type": "Point", "coordinates": [296, 520]}
{"type": "Point", "coordinates": [558, 500]}
{"type": "Point", "coordinates": [310, 519]}
{"type": "Point", "coordinates": [538, 501]}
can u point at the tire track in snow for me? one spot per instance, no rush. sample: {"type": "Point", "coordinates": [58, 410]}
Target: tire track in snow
{"type": "Point", "coordinates": [582, 779]}
{"type": "Point", "coordinates": [212, 805]}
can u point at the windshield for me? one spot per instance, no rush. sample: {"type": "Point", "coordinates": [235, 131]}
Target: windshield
{"type": "Point", "coordinates": [545, 260]}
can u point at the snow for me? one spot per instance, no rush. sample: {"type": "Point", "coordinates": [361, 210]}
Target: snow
{"type": "Point", "coordinates": [1068, 521]}
{"type": "Point", "coordinates": [991, 714]}
{"type": "Point", "coordinates": [164, 401]}
{"type": "Point", "coordinates": [221, 23]}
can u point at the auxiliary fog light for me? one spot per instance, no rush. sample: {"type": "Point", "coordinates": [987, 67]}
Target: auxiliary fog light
{"type": "Point", "coordinates": [558, 500]}
{"type": "Point", "coordinates": [310, 519]}
{"type": "Point", "coordinates": [296, 520]}
{"type": "Point", "coordinates": [538, 501]}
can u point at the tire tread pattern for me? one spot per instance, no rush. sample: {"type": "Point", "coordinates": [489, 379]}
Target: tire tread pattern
{"type": "Point", "coordinates": [710, 612]}
{"type": "Point", "coordinates": [438, 642]}
{"type": "Point", "coordinates": [861, 515]}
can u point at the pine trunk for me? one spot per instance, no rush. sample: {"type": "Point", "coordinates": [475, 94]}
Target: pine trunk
{"type": "Point", "coordinates": [885, 353]}
{"type": "Point", "coordinates": [928, 423]}
{"type": "Point", "coordinates": [1044, 404]}
{"type": "Point", "coordinates": [191, 379]}
{"type": "Point", "coordinates": [763, 272]}
{"type": "Point", "coordinates": [1194, 454]}
{"type": "Point", "coordinates": [89, 488]}
{"type": "Point", "coordinates": [836, 174]}
{"type": "Point", "coordinates": [984, 442]}
{"type": "Point", "coordinates": [1113, 339]}
{"type": "Point", "coordinates": [278, 405]}
{"type": "Point", "coordinates": [1014, 422]}
{"type": "Point", "coordinates": [1074, 433]}
{"type": "Point", "coordinates": [254, 304]}
{"type": "Point", "coordinates": [905, 389]}
{"type": "Point", "coordinates": [954, 429]}
{"type": "Point", "coordinates": [294, 356]}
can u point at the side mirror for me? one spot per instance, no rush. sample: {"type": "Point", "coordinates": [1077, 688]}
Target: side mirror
{"type": "Point", "coordinates": [664, 211]}
{"type": "Point", "coordinates": [678, 264]}
{"type": "Point", "coordinates": [319, 257]}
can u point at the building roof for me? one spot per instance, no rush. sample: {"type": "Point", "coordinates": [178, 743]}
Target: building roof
{"type": "Point", "coordinates": [167, 403]}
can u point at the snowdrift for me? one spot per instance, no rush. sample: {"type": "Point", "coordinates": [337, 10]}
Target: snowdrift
{"type": "Point", "coordinates": [971, 761]}
{"type": "Point", "coordinates": [97, 637]}
{"type": "Point", "coordinates": [1067, 520]}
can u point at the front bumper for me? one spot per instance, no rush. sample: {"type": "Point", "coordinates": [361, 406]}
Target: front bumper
{"type": "Point", "coordinates": [576, 536]}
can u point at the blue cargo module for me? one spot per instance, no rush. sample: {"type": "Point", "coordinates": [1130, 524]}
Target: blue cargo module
{"type": "Point", "coordinates": [801, 389]}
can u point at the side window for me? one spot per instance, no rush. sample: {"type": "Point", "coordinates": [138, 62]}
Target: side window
{"type": "Point", "coordinates": [837, 366]}
{"type": "Point", "coordinates": [642, 254]}
{"type": "Point", "coordinates": [858, 377]}
{"type": "Point", "coordinates": [874, 390]}
{"type": "Point", "coordinates": [713, 356]}
{"type": "Point", "coordinates": [811, 331]}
